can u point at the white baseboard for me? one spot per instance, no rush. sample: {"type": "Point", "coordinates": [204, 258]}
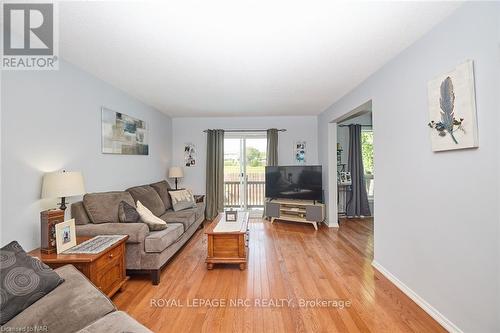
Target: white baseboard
{"type": "Point", "coordinates": [334, 224]}
{"type": "Point", "coordinates": [433, 312]}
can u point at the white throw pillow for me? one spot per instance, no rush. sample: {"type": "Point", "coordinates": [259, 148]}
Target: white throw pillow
{"type": "Point", "coordinates": [154, 223]}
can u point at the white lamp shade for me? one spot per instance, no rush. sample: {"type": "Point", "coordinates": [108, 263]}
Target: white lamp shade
{"type": "Point", "coordinates": [175, 172]}
{"type": "Point", "coordinates": [62, 184]}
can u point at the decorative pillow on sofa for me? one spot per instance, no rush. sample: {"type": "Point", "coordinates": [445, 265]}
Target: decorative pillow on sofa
{"type": "Point", "coordinates": [154, 223]}
{"type": "Point", "coordinates": [182, 199]}
{"type": "Point", "coordinates": [23, 281]}
{"type": "Point", "coordinates": [127, 213]}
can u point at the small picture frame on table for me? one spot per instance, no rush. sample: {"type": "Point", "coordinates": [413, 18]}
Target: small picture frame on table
{"type": "Point", "coordinates": [65, 235]}
{"type": "Point", "coordinates": [231, 216]}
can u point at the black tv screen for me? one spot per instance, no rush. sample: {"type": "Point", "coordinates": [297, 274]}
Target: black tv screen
{"type": "Point", "coordinates": [294, 182]}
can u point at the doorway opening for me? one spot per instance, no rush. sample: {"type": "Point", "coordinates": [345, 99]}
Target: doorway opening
{"type": "Point", "coordinates": [244, 171]}
{"type": "Point", "coordinates": [355, 165]}
{"type": "Point", "coordinates": [338, 161]}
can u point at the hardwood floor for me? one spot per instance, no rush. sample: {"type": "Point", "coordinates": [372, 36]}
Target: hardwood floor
{"type": "Point", "coordinates": [287, 261]}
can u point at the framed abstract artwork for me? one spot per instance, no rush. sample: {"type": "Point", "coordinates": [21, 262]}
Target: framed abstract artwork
{"type": "Point", "coordinates": [123, 134]}
{"type": "Point", "coordinates": [452, 109]}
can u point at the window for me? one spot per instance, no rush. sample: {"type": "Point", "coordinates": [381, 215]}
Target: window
{"type": "Point", "coordinates": [367, 152]}
{"type": "Point", "coordinates": [244, 170]}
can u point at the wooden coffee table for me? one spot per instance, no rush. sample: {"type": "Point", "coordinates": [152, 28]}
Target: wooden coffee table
{"type": "Point", "coordinates": [227, 247]}
{"type": "Point", "coordinates": [106, 270]}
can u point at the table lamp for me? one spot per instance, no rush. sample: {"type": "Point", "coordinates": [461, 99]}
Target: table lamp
{"type": "Point", "coordinates": [61, 185]}
{"type": "Point", "coordinates": [175, 172]}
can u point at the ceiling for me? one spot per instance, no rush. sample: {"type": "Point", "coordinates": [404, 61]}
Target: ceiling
{"type": "Point", "coordinates": [240, 58]}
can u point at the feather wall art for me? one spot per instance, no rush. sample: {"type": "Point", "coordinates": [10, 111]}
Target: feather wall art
{"type": "Point", "coordinates": [452, 109]}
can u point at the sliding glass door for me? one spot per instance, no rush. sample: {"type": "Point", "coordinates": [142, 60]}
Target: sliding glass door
{"type": "Point", "coordinates": [244, 170]}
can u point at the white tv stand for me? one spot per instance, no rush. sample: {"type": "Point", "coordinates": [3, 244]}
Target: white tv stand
{"type": "Point", "coordinates": [303, 211]}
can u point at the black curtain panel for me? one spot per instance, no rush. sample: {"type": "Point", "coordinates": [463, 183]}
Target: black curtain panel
{"type": "Point", "coordinates": [357, 198]}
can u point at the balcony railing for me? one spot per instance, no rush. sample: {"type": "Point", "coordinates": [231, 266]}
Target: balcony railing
{"type": "Point", "coordinates": [255, 193]}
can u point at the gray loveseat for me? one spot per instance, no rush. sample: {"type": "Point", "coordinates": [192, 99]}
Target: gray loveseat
{"type": "Point", "coordinates": [74, 306]}
{"type": "Point", "coordinates": [146, 251]}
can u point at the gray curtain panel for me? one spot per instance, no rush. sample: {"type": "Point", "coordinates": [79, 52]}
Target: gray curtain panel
{"type": "Point", "coordinates": [272, 147]}
{"type": "Point", "coordinates": [272, 152]}
{"type": "Point", "coordinates": [215, 173]}
{"type": "Point", "coordinates": [357, 198]}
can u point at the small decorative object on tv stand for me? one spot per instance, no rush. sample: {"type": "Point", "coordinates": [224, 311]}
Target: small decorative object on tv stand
{"type": "Point", "coordinates": [304, 211]}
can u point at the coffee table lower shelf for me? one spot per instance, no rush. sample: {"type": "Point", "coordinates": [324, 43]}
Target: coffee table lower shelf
{"type": "Point", "coordinates": [212, 261]}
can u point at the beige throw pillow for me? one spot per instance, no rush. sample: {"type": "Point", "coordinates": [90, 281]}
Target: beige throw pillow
{"type": "Point", "coordinates": [154, 223]}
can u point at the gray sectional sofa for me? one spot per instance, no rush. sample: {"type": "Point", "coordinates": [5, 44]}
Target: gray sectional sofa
{"type": "Point", "coordinates": [76, 305]}
{"type": "Point", "coordinates": [146, 251]}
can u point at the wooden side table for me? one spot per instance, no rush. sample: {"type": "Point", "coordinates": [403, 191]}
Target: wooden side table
{"type": "Point", "coordinates": [106, 270]}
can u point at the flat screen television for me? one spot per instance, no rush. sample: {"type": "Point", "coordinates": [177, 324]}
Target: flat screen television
{"type": "Point", "coordinates": [294, 182]}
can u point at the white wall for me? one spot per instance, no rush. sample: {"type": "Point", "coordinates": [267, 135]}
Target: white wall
{"type": "Point", "coordinates": [52, 120]}
{"type": "Point", "coordinates": [1, 158]}
{"type": "Point", "coordinates": [437, 217]}
{"type": "Point", "coordinates": [190, 130]}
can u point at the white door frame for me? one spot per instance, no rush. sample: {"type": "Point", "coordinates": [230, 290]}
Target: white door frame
{"type": "Point", "coordinates": [332, 213]}
{"type": "Point", "coordinates": [332, 217]}
{"type": "Point", "coordinates": [243, 173]}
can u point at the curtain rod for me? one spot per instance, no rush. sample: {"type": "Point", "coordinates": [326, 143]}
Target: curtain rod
{"type": "Point", "coordinates": [248, 130]}
{"type": "Point", "coordinates": [355, 124]}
